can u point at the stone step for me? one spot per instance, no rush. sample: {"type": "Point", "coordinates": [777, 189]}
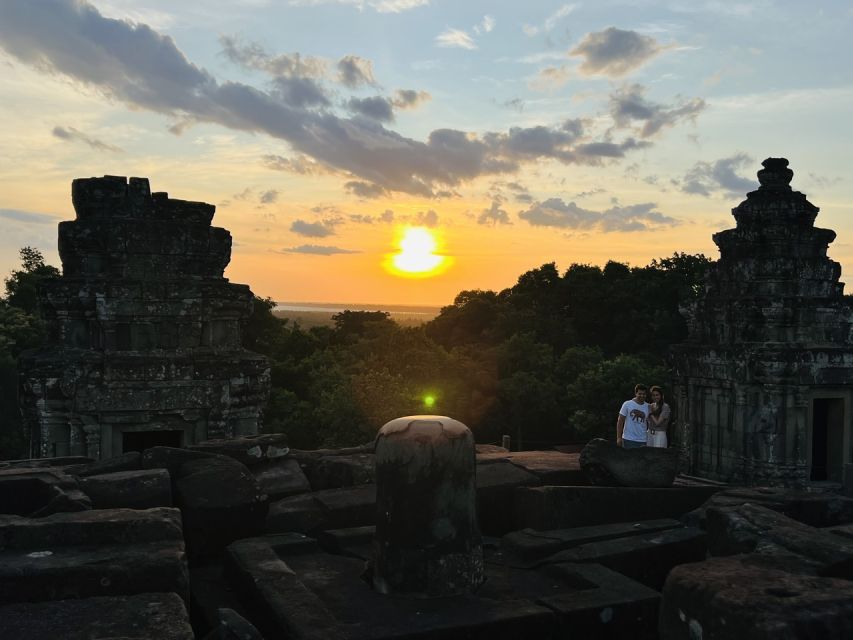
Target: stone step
{"type": "Point", "coordinates": [86, 571]}
{"type": "Point", "coordinates": [137, 617]}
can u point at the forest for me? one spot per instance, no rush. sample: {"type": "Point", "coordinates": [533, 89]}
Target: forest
{"type": "Point", "coordinates": [547, 361]}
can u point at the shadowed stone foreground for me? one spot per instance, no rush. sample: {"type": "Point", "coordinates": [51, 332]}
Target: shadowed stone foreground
{"type": "Point", "coordinates": [559, 560]}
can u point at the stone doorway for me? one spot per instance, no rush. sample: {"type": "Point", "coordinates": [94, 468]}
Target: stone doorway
{"type": "Point", "coordinates": [827, 440]}
{"type": "Point", "coordinates": [141, 440]}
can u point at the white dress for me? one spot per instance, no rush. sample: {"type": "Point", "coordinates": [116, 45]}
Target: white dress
{"type": "Point", "coordinates": [657, 437]}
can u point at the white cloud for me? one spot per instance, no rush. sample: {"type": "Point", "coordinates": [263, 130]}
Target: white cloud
{"type": "Point", "coordinates": [554, 212]}
{"type": "Point", "coordinates": [455, 38]}
{"type": "Point", "coordinates": [551, 21]}
{"type": "Point", "coordinates": [485, 26]}
{"type": "Point", "coordinates": [380, 6]}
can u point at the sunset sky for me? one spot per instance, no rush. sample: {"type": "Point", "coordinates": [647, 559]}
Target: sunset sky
{"type": "Point", "coordinates": [518, 133]}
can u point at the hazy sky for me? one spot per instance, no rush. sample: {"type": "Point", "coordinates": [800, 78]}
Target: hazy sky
{"type": "Point", "coordinates": [519, 132]}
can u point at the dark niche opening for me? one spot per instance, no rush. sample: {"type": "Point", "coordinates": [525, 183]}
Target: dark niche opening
{"type": "Point", "coordinates": [827, 439]}
{"type": "Point", "coordinates": [22, 496]}
{"type": "Point", "coordinates": [141, 440]}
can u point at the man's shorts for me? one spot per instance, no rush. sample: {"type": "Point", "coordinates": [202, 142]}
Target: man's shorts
{"type": "Point", "coordinates": [632, 444]}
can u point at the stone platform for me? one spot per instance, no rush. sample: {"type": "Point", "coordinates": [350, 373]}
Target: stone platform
{"type": "Point", "coordinates": [297, 591]}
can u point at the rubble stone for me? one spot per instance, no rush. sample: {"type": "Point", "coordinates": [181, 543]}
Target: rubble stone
{"type": "Point", "coordinates": [749, 597]}
{"type": "Point", "coordinates": [220, 502]}
{"type": "Point", "coordinates": [141, 489]}
{"type": "Point", "coordinates": [609, 465]}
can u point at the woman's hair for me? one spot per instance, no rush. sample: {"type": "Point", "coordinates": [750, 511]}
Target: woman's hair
{"type": "Point", "coordinates": [662, 399]}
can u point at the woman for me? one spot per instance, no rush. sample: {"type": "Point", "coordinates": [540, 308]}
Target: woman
{"type": "Point", "coordinates": [658, 422]}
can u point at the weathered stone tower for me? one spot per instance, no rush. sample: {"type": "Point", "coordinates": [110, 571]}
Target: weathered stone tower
{"type": "Point", "coordinates": [144, 330]}
{"type": "Point", "coordinates": [765, 382]}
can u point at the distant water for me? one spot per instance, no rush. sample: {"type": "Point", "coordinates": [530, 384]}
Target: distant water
{"type": "Point", "coordinates": [332, 307]}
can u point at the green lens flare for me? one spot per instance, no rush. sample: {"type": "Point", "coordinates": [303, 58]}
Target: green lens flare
{"type": "Point", "coordinates": [429, 401]}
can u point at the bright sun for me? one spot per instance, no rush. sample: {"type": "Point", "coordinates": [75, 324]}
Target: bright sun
{"type": "Point", "coordinates": [417, 257]}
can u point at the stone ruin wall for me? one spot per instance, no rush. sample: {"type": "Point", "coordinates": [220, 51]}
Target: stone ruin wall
{"type": "Point", "coordinates": [144, 330]}
{"type": "Point", "coordinates": [770, 333]}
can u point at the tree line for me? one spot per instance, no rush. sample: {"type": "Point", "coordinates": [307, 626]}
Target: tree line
{"type": "Point", "coordinates": [548, 360]}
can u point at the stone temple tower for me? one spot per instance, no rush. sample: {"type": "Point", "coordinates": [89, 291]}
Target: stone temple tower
{"type": "Point", "coordinates": [764, 385]}
{"type": "Point", "coordinates": [145, 342]}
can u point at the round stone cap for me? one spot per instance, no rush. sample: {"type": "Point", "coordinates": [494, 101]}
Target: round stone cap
{"type": "Point", "coordinates": [448, 426]}
{"type": "Point", "coordinates": [775, 175]}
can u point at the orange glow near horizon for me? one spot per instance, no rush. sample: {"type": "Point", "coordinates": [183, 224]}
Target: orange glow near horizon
{"type": "Point", "coordinates": [417, 257]}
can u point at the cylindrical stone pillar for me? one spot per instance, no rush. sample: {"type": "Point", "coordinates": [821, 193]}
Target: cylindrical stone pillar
{"type": "Point", "coordinates": [427, 538]}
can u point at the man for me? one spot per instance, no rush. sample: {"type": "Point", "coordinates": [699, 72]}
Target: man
{"type": "Point", "coordinates": [631, 423]}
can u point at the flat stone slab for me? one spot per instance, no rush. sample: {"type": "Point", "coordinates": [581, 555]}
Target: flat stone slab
{"type": "Point", "coordinates": [811, 508]}
{"type": "Point", "coordinates": [97, 527]}
{"type": "Point", "coordinates": [551, 467]}
{"type": "Point", "coordinates": [325, 596]}
{"type": "Point", "coordinates": [329, 509]}
{"type": "Point", "coordinates": [608, 606]}
{"type": "Point", "coordinates": [749, 597]}
{"type": "Point", "coordinates": [646, 558]}
{"type": "Point", "coordinates": [281, 478]}
{"type": "Point", "coordinates": [747, 528]}
{"type": "Point", "coordinates": [86, 571]}
{"type": "Point", "coordinates": [130, 461]}
{"type": "Point", "coordinates": [529, 545]}
{"type": "Point", "coordinates": [356, 541]}
{"type": "Point", "coordinates": [141, 489]}
{"type": "Point", "coordinates": [545, 508]}
{"type": "Point", "coordinates": [333, 472]}
{"type": "Point", "coordinates": [138, 617]}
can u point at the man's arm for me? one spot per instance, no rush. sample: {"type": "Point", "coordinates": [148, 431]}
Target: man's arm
{"type": "Point", "coordinates": [620, 425]}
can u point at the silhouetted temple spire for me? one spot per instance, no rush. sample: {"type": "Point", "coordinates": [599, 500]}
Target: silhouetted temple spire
{"type": "Point", "coordinates": [770, 336]}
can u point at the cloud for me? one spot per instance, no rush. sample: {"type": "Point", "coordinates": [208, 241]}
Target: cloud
{"type": "Point", "coordinates": [312, 229]}
{"type": "Point", "coordinates": [554, 212]}
{"type": "Point", "coordinates": [494, 215]}
{"type": "Point", "coordinates": [409, 98]}
{"type": "Point", "coordinates": [30, 217]}
{"type": "Point", "coordinates": [133, 64]}
{"type": "Point", "coordinates": [614, 52]}
{"type": "Point", "coordinates": [550, 78]}
{"type": "Point", "coordinates": [365, 190]}
{"type": "Point", "coordinates": [71, 134]}
{"type": "Point", "coordinates": [551, 21]}
{"type": "Point", "coordinates": [317, 250]}
{"type": "Point", "coordinates": [516, 104]}
{"type": "Point", "coordinates": [268, 197]}
{"type": "Point", "coordinates": [707, 178]}
{"type": "Point", "coordinates": [376, 107]}
{"type": "Point", "coordinates": [254, 56]}
{"type": "Point", "coordinates": [424, 218]}
{"type": "Point", "coordinates": [485, 26]}
{"type": "Point", "coordinates": [628, 105]}
{"type": "Point", "coordinates": [386, 217]}
{"type": "Point", "coordinates": [455, 38]}
{"type": "Point", "coordinates": [380, 6]}
{"type": "Point", "coordinates": [354, 72]}
{"type": "Point", "coordinates": [381, 109]}
{"type": "Point", "coordinates": [301, 164]}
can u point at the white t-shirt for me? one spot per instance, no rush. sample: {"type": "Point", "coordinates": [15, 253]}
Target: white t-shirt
{"type": "Point", "coordinates": [635, 420]}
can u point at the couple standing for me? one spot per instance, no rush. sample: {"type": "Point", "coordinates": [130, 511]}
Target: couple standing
{"type": "Point", "coordinates": [641, 423]}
